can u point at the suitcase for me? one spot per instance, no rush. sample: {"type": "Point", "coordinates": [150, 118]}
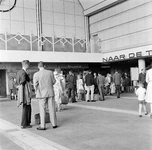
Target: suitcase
{"type": "Point", "coordinates": [38, 121]}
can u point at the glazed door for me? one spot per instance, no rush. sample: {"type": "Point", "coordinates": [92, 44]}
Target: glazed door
{"type": "Point", "coordinates": [2, 83]}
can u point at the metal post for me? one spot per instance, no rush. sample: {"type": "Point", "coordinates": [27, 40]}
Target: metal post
{"type": "Point", "coordinates": [5, 40]}
{"type": "Point", "coordinates": [73, 44]}
{"type": "Point", "coordinates": [31, 42]}
{"type": "Point", "coordinates": [53, 42]}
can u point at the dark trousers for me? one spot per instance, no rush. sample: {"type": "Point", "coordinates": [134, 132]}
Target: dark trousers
{"type": "Point", "coordinates": [101, 91]}
{"type": "Point", "coordinates": [26, 115]}
{"type": "Point", "coordinates": [107, 90]}
{"type": "Point", "coordinates": [11, 92]}
{"type": "Point", "coordinates": [71, 94]}
{"type": "Point", "coordinates": [118, 90]}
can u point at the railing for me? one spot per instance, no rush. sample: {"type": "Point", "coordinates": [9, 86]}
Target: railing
{"type": "Point", "coordinates": [31, 42]}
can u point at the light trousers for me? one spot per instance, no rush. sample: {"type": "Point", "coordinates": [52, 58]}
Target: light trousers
{"type": "Point", "coordinates": [90, 88]}
{"type": "Point", "coordinates": [43, 104]}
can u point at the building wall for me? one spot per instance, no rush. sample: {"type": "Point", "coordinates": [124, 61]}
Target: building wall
{"type": "Point", "coordinates": [124, 26]}
{"type": "Point", "coordinates": [60, 18]}
{"type": "Point", "coordinates": [63, 18]}
{"type": "Point", "coordinates": [21, 19]}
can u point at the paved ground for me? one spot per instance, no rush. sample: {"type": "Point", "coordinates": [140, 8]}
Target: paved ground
{"type": "Point", "coordinates": [110, 125]}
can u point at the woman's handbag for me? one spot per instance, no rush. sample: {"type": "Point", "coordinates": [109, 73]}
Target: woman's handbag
{"type": "Point", "coordinates": [64, 99]}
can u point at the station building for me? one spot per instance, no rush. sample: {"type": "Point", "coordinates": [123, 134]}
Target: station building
{"type": "Point", "coordinates": [74, 34]}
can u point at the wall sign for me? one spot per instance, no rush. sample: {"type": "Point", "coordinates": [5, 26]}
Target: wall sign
{"type": "Point", "coordinates": [130, 55]}
{"type": "Point", "coordinates": [134, 73]}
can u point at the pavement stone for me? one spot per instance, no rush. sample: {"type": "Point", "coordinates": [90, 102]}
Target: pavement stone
{"type": "Point", "coordinates": [7, 144]}
{"type": "Point", "coordinates": [115, 126]}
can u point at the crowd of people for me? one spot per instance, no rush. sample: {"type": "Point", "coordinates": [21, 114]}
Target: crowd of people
{"type": "Point", "coordinates": [54, 90]}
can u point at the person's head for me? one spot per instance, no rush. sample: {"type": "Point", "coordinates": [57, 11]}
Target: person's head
{"type": "Point", "coordinates": [95, 74]}
{"type": "Point", "coordinates": [41, 65]}
{"type": "Point", "coordinates": [89, 71]}
{"type": "Point", "coordinates": [25, 64]}
{"type": "Point", "coordinates": [116, 70]}
{"type": "Point", "coordinates": [99, 73]}
{"type": "Point", "coordinates": [143, 71]}
{"type": "Point", "coordinates": [140, 84]}
{"type": "Point", "coordinates": [70, 72]}
{"type": "Point", "coordinates": [79, 76]}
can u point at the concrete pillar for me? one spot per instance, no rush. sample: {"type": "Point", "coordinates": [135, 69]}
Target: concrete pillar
{"type": "Point", "coordinates": [87, 36]}
{"type": "Point", "coordinates": [141, 64]}
{"type": "Point", "coordinates": [39, 23]}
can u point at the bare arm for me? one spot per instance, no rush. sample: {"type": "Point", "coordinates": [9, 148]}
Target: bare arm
{"type": "Point", "coordinates": [53, 78]}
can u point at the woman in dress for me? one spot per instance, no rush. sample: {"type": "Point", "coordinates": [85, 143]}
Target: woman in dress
{"type": "Point", "coordinates": [80, 87]}
{"type": "Point", "coordinates": [58, 90]}
{"type": "Point", "coordinates": [149, 89]}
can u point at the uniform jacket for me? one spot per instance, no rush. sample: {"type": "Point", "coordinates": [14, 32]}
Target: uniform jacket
{"type": "Point", "coordinates": [43, 83]}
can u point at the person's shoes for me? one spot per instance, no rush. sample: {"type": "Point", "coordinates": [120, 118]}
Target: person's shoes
{"type": "Point", "coordinates": [29, 126]}
{"type": "Point", "coordinates": [88, 101]}
{"type": "Point", "coordinates": [40, 128]}
{"type": "Point", "coordinates": [140, 115]}
{"type": "Point", "coordinates": [93, 101]}
{"type": "Point", "coordinates": [54, 127]}
{"type": "Point", "coordinates": [146, 113]}
{"type": "Point", "coordinates": [23, 127]}
{"type": "Point", "coordinates": [118, 96]}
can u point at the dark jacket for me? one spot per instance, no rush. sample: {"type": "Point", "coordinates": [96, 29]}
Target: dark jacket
{"type": "Point", "coordinates": [24, 90]}
{"type": "Point", "coordinates": [71, 81]}
{"type": "Point", "coordinates": [142, 78]}
{"type": "Point", "coordinates": [22, 77]}
{"type": "Point", "coordinates": [117, 78]}
{"type": "Point", "coordinates": [100, 80]}
{"type": "Point", "coordinates": [89, 80]}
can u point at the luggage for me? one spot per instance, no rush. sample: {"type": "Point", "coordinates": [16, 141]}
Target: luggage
{"type": "Point", "coordinates": [96, 97]}
{"type": "Point", "coordinates": [37, 118]}
{"type": "Point", "coordinates": [64, 99]}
